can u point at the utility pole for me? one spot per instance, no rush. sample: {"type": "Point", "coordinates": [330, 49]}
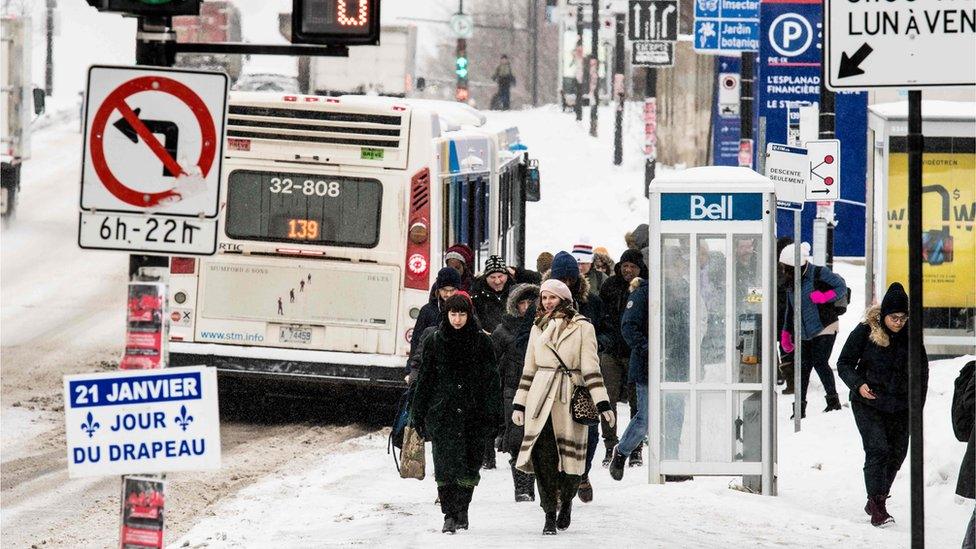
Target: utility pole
{"type": "Point", "coordinates": [155, 38]}
{"type": "Point", "coordinates": [826, 125]}
{"type": "Point", "coordinates": [620, 24]}
{"type": "Point", "coordinates": [582, 72]}
{"type": "Point", "coordinates": [745, 105]}
{"type": "Point", "coordinates": [916, 480]}
{"type": "Point", "coordinates": [594, 63]}
{"type": "Point", "coordinates": [534, 18]}
{"type": "Point", "coordinates": [650, 127]}
{"type": "Point", "coordinates": [49, 61]}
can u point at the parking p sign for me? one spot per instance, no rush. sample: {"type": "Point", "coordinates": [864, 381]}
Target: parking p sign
{"type": "Point", "coordinates": [142, 421]}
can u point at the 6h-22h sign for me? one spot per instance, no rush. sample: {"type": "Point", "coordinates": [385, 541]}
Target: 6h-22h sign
{"type": "Point", "coordinates": [152, 156]}
{"type": "Point", "coordinates": [653, 20]}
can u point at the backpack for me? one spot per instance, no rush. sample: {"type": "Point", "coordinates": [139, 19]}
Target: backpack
{"type": "Point", "coordinates": [830, 312]}
{"type": "Point", "coordinates": [400, 421]}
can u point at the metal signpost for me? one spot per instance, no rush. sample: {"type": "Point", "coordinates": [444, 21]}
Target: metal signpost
{"type": "Point", "coordinates": [140, 192]}
{"type": "Point", "coordinates": [904, 45]}
{"type": "Point", "coordinates": [789, 168]}
{"type": "Point", "coordinates": [142, 421]}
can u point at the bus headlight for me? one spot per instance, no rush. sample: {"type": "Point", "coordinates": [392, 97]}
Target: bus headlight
{"type": "Point", "coordinates": [418, 233]}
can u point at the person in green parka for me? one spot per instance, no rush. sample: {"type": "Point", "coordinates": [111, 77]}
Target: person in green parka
{"type": "Point", "coordinates": [457, 406]}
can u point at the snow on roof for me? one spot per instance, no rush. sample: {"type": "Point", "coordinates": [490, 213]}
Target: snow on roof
{"type": "Point", "coordinates": [931, 110]}
{"type": "Point", "coordinates": [726, 177]}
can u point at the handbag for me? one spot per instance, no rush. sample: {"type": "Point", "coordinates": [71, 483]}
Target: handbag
{"type": "Point", "coordinates": [581, 405]}
{"type": "Point", "coordinates": [413, 461]}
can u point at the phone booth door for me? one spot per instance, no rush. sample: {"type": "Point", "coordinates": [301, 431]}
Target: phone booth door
{"type": "Point", "coordinates": [712, 306]}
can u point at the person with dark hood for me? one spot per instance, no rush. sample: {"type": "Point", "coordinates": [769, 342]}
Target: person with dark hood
{"type": "Point", "coordinates": [963, 420]}
{"type": "Point", "coordinates": [444, 287]}
{"type": "Point", "coordinates": [639, 239]}
{"type": "Point", "coordinates": [461, 258]}
{"type": "Point", "coordinates": [819, 289]}
{"type": "Point", "coordinates": [615, 359]}
{"type": "Point", "coordinates": [457, 406]}
{"type": "Point", "coordinates": [561, 354]}
{"type": "Point", "coordinates": [874, 365]}
{"type": "Point", "coordinates": [511, 338]}
{"type": "Point", "coordinates": [565, 268]}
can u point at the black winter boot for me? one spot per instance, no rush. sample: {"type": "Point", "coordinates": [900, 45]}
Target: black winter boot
{"type": "Point", "coordinates": [833, 403]}
{"type": "Point", "coordinates": [803, 410]}
{"type": "Point", "coordinates": [450, 499]}
{"type": "Point", "coordinates": [464, 501]}
{"type": "Point", "coordinates": [878, 510]}
{"type": "Point", "coordinates": [609, 456]}
{"type": "Point", "coordinates": [549, 529]}
{"type": "Point", "coordinates": [489, 458]}
{"type": "Point", "coordinates": [636, 458]}
{"type": "Point", "coordinates": [450, 526]}
{"type": "Point", "coordinates": [617, 464]}
{"type": "Point", "coordinates": [585, 490]}
{"type": "Point", "coordinates": [565, 512]}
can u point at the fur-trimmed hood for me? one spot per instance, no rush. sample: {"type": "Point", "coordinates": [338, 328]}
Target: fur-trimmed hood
{"type": "Point", "coordinates": [879, 335]}
{"type": "Point", "coordinates": [518, 293]}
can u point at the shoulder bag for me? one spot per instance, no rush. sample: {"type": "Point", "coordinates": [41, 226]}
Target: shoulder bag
{"type": "Point", "coordinates": [581, 405]}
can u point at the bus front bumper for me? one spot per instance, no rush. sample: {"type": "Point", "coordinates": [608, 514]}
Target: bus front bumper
{"type": "Point", "coordinates": [325, 366]}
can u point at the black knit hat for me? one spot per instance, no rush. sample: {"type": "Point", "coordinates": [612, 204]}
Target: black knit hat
{"type": "Point", "coordinates": [895, 300]}
{"type": "Point", "coordinates": [632, 256]}
{"type": "Point", "coordinates": [495, 264]}
{"type": "Point", "coordinates": [447, 277]}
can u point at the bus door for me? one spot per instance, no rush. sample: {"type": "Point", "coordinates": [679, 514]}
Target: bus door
{"type": "Point", "coordinates": [469, 215]}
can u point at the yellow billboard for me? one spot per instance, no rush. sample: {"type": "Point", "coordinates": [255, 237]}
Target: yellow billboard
{"type": "Point", "coordinates": [948, 239]}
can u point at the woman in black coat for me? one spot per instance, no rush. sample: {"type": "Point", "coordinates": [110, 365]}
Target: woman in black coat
{"type": "Point", "coordinates": [457, 406]}
{"type": "Point", "coordinates": [874, 365]}
{"type": "Point", "coordinates": [511, 338]}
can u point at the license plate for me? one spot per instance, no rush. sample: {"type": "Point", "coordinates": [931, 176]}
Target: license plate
{"type": "Point", "coordinates": [295, 334]}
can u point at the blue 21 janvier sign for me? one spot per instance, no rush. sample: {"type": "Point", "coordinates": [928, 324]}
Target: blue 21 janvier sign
{"type": "Point", "coordinates": [142, 421]}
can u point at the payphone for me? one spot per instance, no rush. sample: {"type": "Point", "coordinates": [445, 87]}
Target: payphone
{"type": "Point", "coordinates": [711, 322]}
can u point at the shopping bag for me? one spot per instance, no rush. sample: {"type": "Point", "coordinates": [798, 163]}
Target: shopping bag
{"type": "Point", "coordinates": [412, 459]}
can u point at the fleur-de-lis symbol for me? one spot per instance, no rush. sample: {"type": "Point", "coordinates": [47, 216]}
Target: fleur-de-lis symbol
{"type": "Point", "coordinates": [184, 419]}
{"type": "Point", "coordinates": [90, 426]}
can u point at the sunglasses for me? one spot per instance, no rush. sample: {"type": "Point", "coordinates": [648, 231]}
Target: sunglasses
{"type": "Point", "coordinates": [898, 319]}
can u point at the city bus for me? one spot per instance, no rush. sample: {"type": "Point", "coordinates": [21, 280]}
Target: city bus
{"type": "Point", "coordinates": [335, 215]}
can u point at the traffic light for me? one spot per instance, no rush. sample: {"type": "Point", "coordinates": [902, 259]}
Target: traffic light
{"type": "Point", "coordinates": [461, 70]}
{"type": "Point", "coordinates": [148, 7]}
{"type": "Point", "coordinates": [335, 22]}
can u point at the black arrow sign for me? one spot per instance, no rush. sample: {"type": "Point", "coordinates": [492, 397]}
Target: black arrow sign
{"type": "Point", "coordinates": [169, 130]}
{"type": "Point", "coordinates": [821, 191]}
{"type": "Point", "coordinates": [850, 66]}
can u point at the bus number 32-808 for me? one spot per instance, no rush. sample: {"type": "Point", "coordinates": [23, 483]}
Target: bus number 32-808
{"type": "Point", "coordinates": [308, 187]}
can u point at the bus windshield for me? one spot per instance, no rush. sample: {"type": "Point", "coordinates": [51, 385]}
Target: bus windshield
{"type": "Point", "coordinates": [296, 207]}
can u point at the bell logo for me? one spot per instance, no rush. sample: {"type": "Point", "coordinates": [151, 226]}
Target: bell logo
{"type": "Point", "coordinates": [715, 211]}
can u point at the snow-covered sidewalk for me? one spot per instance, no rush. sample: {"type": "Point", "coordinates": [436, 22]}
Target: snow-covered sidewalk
{"type": "Point", "coordinates": [355, 497]}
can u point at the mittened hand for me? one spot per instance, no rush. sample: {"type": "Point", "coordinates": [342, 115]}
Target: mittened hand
{"type": "Point", "coordinates": [609, 417]}
{"type": "Point", "coordinates": [518, 417]}
{"type": "Point", "coordinates": [786, 341]}
{"type": "Point", "coordinates": [820, 298]}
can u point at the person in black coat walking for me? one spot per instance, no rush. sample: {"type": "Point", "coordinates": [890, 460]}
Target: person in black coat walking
{"type": "Point", "coordinates": [874, 365]}
{"type": "Point", "coordinates": [457, 406]}
{"type": "Point", "coordinates": [615, 358]}
{"type": "Point", "coordinates": [963, 420]}
{"type": "Point", "coordinates": [511, 339]}
{"type": "Point", "coordinates": [445, 286]}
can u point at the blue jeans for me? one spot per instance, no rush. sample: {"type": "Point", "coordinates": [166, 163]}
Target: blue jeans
{"type": "Point", "coordinates": [633, 437]}
{"type": "Point", "coordinates": [592, 439]}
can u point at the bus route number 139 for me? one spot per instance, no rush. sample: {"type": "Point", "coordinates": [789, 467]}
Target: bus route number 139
{"type": "Point", "coordinates": [308, 187]}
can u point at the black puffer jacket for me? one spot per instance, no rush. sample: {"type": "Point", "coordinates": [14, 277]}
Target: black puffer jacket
{"type": "Point", "coordinates": [878, 357]}
{"type": "Point", "coordinates": [614, 294]}
{"type": "Point", "coordinates": [963, 412]}
{"type": "Point", "coordinates": [510, 340]}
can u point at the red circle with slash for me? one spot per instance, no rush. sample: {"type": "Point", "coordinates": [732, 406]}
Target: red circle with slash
{"type": "Point", "coordinates": [116, 101]}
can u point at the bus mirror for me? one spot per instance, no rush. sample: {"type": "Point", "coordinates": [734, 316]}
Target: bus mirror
{"type": "Point", "coordinates": [38, 100]}
{"type": "Point", "coordinates": [421, 84]}
{"type": "Point", "coordinates": [533, 191]}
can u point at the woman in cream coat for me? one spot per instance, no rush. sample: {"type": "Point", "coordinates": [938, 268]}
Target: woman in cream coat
{"type": "Point", "coordinates": [554, 446]}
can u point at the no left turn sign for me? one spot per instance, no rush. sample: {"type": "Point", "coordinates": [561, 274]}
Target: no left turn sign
{"type": "Point", "coordinates": [153, 147]}
{"type": "Point", "coordinates": [153, 140]}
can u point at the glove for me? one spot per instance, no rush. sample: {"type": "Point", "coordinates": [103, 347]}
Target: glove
{"type": "Point", "coordinates": [820, 298]}
{"type": "Point", "coordinates": [611, 420]}
{"type": "Point", "coordinates": [518, 417]}
{"type": "Point", "coordinates": [786, 341]}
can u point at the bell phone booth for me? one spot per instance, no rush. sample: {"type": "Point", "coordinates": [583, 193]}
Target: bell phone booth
{"type": "Point", "coordinates": [711, 320]}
